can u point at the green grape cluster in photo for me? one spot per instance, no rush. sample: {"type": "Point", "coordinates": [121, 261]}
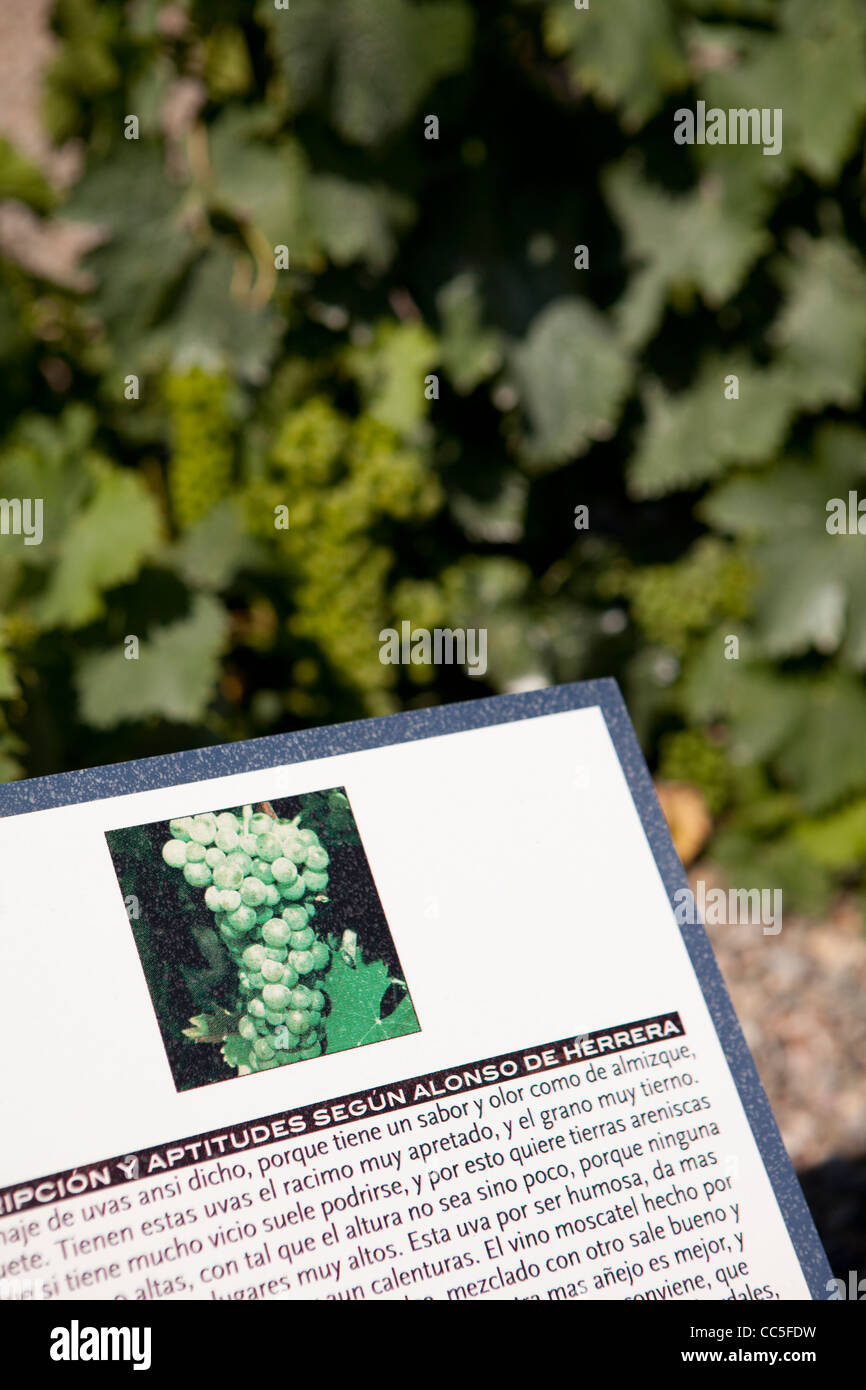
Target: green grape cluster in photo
{"type": "Point", "coordinates": [261, 935]}
{"type": "Point", "coordinates": [263, 880]}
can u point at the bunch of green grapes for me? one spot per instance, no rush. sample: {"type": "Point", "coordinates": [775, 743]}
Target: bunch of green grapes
{"type": "Point", "coordinates": [687, 755]}
{"type": "Point", "coordinates": [340, 478]}
{"type": "Point", "coordinates": [672, 602]}
{"type": "Point", "coordinates": [200, 466]}
{"type": "Point", "coordinates": [263, 879]}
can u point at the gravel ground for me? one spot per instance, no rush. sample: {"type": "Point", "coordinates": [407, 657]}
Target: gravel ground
{"type": "Point", "coordinates": [801, 1000]}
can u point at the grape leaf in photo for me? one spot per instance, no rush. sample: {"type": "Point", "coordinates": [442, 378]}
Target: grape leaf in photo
{"type": "Point", "coordinates": [356, 995]}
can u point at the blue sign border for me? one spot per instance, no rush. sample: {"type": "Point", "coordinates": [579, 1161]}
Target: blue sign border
{"type": "Point", "coordinates": [147, 774]}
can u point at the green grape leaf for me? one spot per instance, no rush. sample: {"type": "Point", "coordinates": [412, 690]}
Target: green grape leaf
{"type": "Point", "coordinates": [147, 249]}
{"type": "Point", "coordinates": [765, 712]}
{"type": "Point", "coordinates": [390, 371]}
{"type": "Point", "coordinates": [210, 1027]}
{"type": "Point", "coordinates": [266, 185]}
{"type": "Point", "coordinates": [826, 759]}
{"type": "Point", "coordinates": [573, 377]}
{"type": "Point", "coordinates": [9, 687]}
{"type": "Point", "coordinates": [836, 841]}
{"type": "Point", "coordinates": [373, 64]}
{"type": "Point", "coordinates": [709, 684]}
{"type": "Point", "coordinates": [210, 326]}
{"type": "Point", "coordinates": [694, 435]}
{"type": "Point", "coordinates": [236, 1050]}
{"type": "Point", "coordinates": [801, 595]}
{"type": "Point", "coordinates": [811, 591]}
{"type": "Point", "coordinates": [779, 862]}
{"type": "Point", "coordinates": [629, 55]}
{"type": "Point", "coordinates": [469, 352]}
{"type": "Point", "coordinates": [213, 550]}
{"type": "Point", "coordinates": [22, 180]}
{"type": "Point", "coordinates": [174, 676]}
{"type": "Point", "coordinates": [357, 222]}
{"type": "Point", "coordinates": [490, 594]}
{"type": "Point", "coordinates": [228, 70]}
{"type": "Point", "coordinates": [329, 814]}
{"type": "Point", "coordinates": [812, 69]}
{"type": "Point", "coordinates": [496, 517]}
{"type": "Point", "coordinates": [51, 459]}
{"type": "Point", "coordinates": [790, 496]}
{"type": "Point", "coordinates": [401, 1020]}
{"type": "Point", "coordinates": [480, 583]}
{"type": "Point", "coordinates": [105, 545]}
{"type": "Point", "coordinates": [735, 9]}
{"type": "Point", "coordinates": [706, 241]}
{"type": "Point", "coordinates": [812, 584]}
{"type": "Point", "coordinates": [793, 495]}
{"type": "Point", "coordinates": [820, 333]}
{"type": "Point", "coordinates": [762, 710]}
{"type": "Point", "coordinates": [302, 42]}
{"type": "Point", "coordinates": [356, 997]}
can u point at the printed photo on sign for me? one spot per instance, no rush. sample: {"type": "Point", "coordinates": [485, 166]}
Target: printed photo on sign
{"type": "Point", "coordinates": [261, 936]}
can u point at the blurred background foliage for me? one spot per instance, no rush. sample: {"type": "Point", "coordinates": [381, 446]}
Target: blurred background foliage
{"type": "Point", "coordinates": [559, 387]}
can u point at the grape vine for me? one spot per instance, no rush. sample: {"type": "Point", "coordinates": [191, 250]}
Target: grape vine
{"type": "Point", "coordinates": [264, 879]}
{"type": "Point", "coordinates": [199, 471]}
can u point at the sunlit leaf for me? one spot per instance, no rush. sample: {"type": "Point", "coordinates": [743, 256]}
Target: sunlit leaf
{"type": "Point", "coordinates": [174, 676]}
